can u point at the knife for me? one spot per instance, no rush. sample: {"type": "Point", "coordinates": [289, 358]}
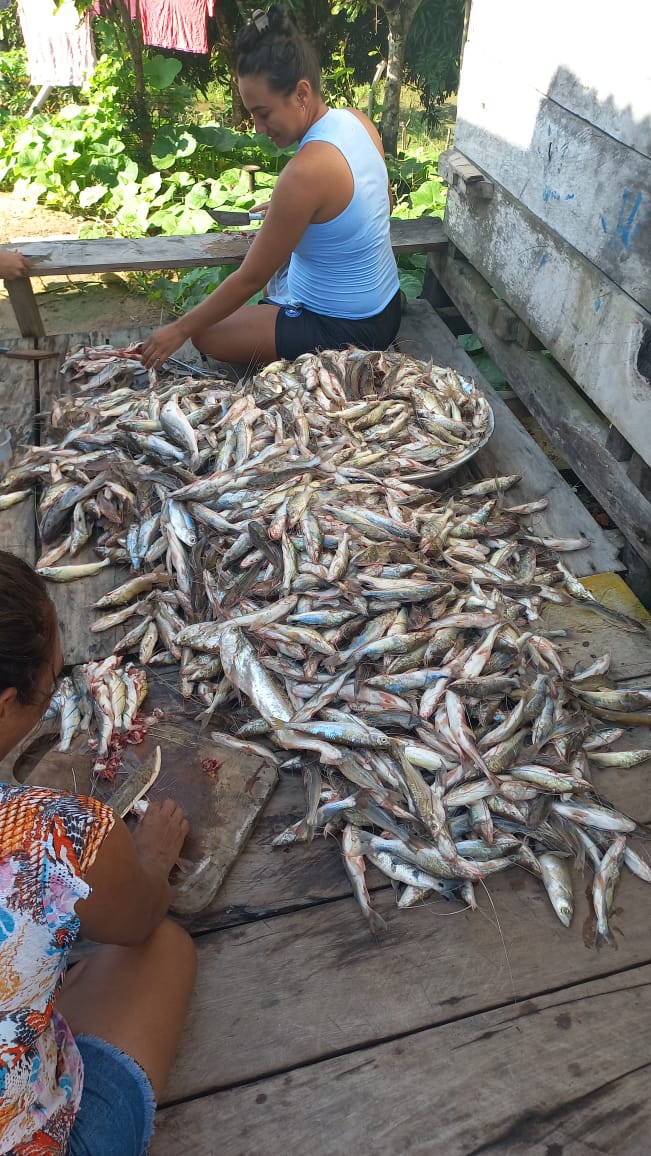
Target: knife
{"type": "Point", "coordinates": [136, 785]}
{"type": "Point", "coordinates": [26, 354]}
{"type": "Point", "coordinates": [229, 217]}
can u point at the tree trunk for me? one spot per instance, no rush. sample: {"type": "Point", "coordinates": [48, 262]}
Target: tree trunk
{"type": "Point", "coordinates": [228, 49]}
{"type": "Point", "coordinates": [400, 14]}
{"type": "Point", "coordinates": [240, 115]}
{"type": "Point", "coordinates": [133, 38]}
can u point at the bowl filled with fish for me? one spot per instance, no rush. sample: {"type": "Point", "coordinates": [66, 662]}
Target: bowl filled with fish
{"type": "Point", "coordinates": [397, 415]}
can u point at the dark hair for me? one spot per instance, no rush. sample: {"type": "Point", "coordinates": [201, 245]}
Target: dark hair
{"type": "Point", "coordinates": [27, 626]}
{"type": "Point", "coordinates": [272, 45]}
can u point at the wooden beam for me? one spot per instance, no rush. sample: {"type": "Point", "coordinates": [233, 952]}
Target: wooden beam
{"type": "Point", "coordinates": [571, 424]}
{"type": "Point", "coordinates": [463, 175]}
{"type": "Point", "coordinates": [511, 449]}
{"type": "Point", "coordinates": [589, 189]}
{"type": "Point", "coordinates": [598, 334]}
{"type": "Point", "coordinates": [115, 254]}
{"type": "Point", "coordinates": [24, 304]}
{"type": "Point", "coordinates": [18, 393]}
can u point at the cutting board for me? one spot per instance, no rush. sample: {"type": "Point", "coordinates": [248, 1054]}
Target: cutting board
{"type": "Point", "coordinates": [221, 807]}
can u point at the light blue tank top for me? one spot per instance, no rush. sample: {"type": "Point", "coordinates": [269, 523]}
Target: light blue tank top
{"type": "Point", "coordinates": [346, 267]}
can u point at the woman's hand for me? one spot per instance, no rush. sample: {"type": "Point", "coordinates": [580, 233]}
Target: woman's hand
{"type": "Point", "coordinates": [161, 345]}
{"type": "Point", "coordinates": [13, 265]}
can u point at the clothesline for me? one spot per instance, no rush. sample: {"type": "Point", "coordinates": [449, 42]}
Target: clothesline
{"type": "Point", "coordinates": [60, 45]}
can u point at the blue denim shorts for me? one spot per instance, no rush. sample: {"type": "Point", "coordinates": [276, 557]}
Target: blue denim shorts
{"type": "Point", "coordinates": [116, 1115]}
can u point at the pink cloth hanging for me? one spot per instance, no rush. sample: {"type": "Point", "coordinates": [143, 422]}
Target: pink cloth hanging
{"type": "Point", "coordinates": [179, 24]}
{"type": "Point", "coordinates": [60, 49]}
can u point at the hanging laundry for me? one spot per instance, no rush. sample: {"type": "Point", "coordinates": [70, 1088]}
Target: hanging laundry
{"type": "Point", "coordinates": [179, 24]}
{"type": "Point", "coordinates": [59, 43]}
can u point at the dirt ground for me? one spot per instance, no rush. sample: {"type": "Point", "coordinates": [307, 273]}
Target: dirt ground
{"type": "Point", "coordinates": [68, 304]}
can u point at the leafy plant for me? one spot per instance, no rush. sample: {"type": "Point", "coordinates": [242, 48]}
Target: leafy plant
{"type": "Point", "coordinates": [88, 151]}
{"type": "Point", "coordinates": [486, 366]}
{"type": "Point", "coordinates": [10, 36]}
{"type": "Point", "coordinates": [432, 58]}
{"type": "Point", "coordinates": [14, 84]}
{"type": "Point", "coordinates": [411, 271]}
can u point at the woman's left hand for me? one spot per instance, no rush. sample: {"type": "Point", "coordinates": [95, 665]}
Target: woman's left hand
{"type": "Point", "coordinates": [161, 345]}
{"type": "Point", "coordinates": [13, 265]}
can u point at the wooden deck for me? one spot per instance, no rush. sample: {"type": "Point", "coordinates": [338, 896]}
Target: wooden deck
{"type": "Point", "coordinates": [456, 1033]}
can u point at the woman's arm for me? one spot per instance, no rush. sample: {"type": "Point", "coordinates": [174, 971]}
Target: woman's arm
{"type": "Point", "coordinates": [297, 196]}
{"type": "Point", "coordinates": [129, 880]}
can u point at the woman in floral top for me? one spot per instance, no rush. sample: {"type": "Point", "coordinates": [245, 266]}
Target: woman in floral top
{"type": "Point", "coordinates": [83, 1053]}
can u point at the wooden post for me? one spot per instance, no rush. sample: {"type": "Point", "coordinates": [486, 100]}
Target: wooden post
{"type": "Point", "coordinates": [250, 171]}
{"type": "Point", "coordinates": [22, 298]}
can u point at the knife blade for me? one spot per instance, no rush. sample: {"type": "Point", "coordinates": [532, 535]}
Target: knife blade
{"type": "Point", "coordinates": [230, 217]}
{"type": "Point", "coordinates": [136, 785]}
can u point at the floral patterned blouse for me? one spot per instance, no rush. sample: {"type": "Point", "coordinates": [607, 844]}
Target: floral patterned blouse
{"type": "Point", "coordinates": [48, 841]}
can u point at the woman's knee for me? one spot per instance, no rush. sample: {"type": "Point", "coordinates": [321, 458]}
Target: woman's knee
{"type": "Point", "coordinates": [173, 943]}
{"type": "Point", "coordinates": [199, 343]}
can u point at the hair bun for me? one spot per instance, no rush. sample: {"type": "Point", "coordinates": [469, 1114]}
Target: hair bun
{"type": "Point", "coordinates": [274, 24]}
{"type": "Point", "coordinates": [247, 38]}
{"type": "Point", "coordinates": [279, 22]}
{"type": "Point", "coordinates": [271, 45]}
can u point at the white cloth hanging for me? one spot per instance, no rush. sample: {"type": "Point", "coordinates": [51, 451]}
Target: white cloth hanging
{"type": "Point", "coordinates": [59, 43]}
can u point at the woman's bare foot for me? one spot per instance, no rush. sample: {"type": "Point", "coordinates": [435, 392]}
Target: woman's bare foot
{"type": "Point", "coordinates": [160, 835]}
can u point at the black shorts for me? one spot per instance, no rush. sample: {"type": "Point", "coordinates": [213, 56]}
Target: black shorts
{"type": "Point", "coordinates": [299, 330]}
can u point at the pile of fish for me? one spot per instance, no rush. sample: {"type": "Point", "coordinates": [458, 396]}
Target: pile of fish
{"type": "Point", "coordinates": [384, 638]}
{"type": "Point", "coordinates": [101, 699]}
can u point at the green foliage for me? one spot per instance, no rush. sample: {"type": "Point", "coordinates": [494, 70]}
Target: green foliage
{"type": "Point", "coordinates": [161, 71]}
{"type": "Point", "coordinates": [433, 52]}
{"type": "Point", "coordinates": [411, 271]}
{"type": "Point", "coordinates": [10, 36]}
{"type": "Point", "coordinates": [486, 366]}
{"type": "Point", "coordinates": [88, 151]}
{"type": "Point", "coordinates": [418, 192]}
{"type": "Point", "coordinates": [86, 156]}
{"type": "Point", "coordinates": [338, 81]}
{"type": "Point", "coordinates": [15, 96]}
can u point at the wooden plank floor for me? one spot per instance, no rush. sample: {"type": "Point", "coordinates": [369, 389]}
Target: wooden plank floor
{"type": "Point", "coordinates": [18, 394]}
{"type": "Point", "coordinates": [456, 1033]}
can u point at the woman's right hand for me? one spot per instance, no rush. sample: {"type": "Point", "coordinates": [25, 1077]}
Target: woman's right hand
{"type": "Point", "coordinates": [161, 345]}
{"type": "Point", "coordinates": [161, 833]}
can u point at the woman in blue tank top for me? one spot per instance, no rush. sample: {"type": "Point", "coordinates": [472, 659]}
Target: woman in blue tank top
{"type": "Point", "coordinates": [326, 226]}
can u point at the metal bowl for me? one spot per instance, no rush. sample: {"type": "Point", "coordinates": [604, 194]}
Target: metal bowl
{"type": "Point", "coordinates": [431, 477]}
